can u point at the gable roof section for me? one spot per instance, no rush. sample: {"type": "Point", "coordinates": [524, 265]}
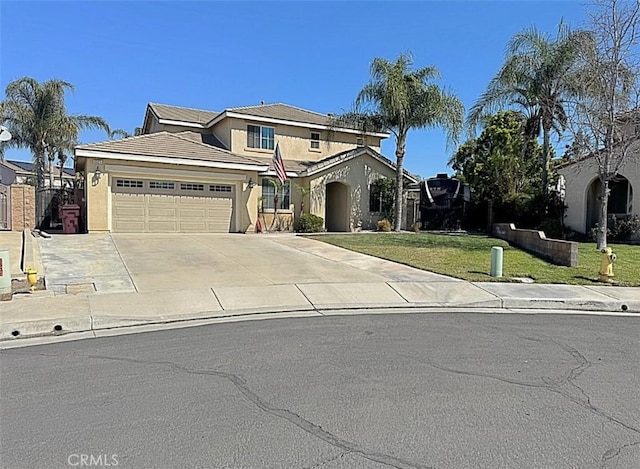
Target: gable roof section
{"type": "Point", "coordinates": [182, 114]}
{"type": "Point", "coordinates": [163, 147]}
{"type": "Point", "coordinates": [345, 156]}
{"type": "Point", "coordinates": [277, 113]}
{"type": "Point", "coordinates": [26, 167]}
{"type": "Point", "coordinates": [282, 112]}
{"type": "Point", "coordinates": [207, 139]}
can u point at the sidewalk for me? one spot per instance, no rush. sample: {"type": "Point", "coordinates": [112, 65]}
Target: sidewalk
{"type": "Point", "coordinates": [396, 288]}
{"type": "Point", "coordinates": [43, 313]}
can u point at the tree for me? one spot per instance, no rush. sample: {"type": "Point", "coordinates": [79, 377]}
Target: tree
{"type": "Point", "coordinates": [605, 120]}
{"type": "Point", "coordinates": [501, 163]}
{"type": "Point", "coordinates": [304, 192]}
{"type": "Point", "coordinates": [36, 116]}
{"type": "Point", "coordinates": [537, 79]}
{"type": "Point", "coordinates": [277, 187]}
{"type": "Point", "coordinates": [399, 99]}
{"type": "Point", "coordinates": [121, 133]}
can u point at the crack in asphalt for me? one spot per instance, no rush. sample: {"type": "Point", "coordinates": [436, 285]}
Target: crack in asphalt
{"type": "Point", "coordinates": [327, 461]}
{"type": "Point", "coordinates": [570, 377]}
{"type": "Point", "coordinates": [309, 427]}
{"type": "Point", "coordinates": [614, 453]}
{"type": "Point", "coordinates": [556, 386]}
{"type": "Point", "coordinates": [478, 375]}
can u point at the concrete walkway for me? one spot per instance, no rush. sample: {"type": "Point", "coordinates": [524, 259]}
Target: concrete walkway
{"type": "Point", "coordinates": [145, 279]}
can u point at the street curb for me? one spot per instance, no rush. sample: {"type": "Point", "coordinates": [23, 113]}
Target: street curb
{"type": "Point", "coordinates": [586, 305]}
{"type": "Point", "coordinates": [99, 325]}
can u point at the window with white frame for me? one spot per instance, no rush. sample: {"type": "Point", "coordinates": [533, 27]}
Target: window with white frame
{"type": "Point", "coordinates": [315, 140]}
{"type": "Point", "coordinates": [261, 137]}
{"type": "Point", "coordinates": [269, 191]}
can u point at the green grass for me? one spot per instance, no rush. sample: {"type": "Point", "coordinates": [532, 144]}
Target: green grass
{"type": "Point", "coordinates": [469, 256]}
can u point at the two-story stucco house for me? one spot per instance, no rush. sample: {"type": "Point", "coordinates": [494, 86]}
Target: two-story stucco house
{"type": "Point", "coordinates": [202, 171]}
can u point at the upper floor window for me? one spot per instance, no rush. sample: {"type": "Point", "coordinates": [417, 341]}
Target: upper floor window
{"type": "Point", "coordinates": [315, 140]}
{"type": "Point", "coordinates": [261, 137]}
{"type": "Point", "coordinates": [359, 141]}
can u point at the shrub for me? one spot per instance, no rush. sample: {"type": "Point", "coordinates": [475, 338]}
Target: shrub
{"type": "Point", "coordinates": [552, 228]}
{"type": "Point", "coordinates": [620, 229]}
{"type": "Point", "coordinates": [415, 227]}
{"type": "Point", "coordinates": [384, 225]}
{"type": "Point", "coordinates": [309, 223]}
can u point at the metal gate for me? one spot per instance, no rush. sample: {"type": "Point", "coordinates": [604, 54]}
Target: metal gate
{"type": "Point", "coordinates": [5, 217]}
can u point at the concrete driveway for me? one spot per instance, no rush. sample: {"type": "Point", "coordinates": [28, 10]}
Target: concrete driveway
{"type": "Point", "coordinates": [173, 275]}
{"type": "Point", "coordinates": [181, 261]}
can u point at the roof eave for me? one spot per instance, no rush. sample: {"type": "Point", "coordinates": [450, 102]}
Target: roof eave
{"type": "Point", "coordinates": [357, 153]}
{"type": "Point", "coordinates": [308, 125]}
{"type": "Point", "coordinates": [80, 152]}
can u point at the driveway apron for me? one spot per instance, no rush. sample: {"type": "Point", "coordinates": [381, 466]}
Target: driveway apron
{"type": "Point", "coordinates": [84, 264]}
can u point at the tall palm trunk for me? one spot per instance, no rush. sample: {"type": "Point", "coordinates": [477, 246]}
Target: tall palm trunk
{"type": "Point", "coordinates": [400, 151]}
{"type": "Point", "coordinates": [51, 175]}
{"type": "Point", "coordinates": [39, 157]}
{"type": "Point", "coordinates": [546, 149]}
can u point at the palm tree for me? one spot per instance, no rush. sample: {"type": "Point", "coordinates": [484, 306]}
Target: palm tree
{"type": "Point", "coordinates": [537, 79]}
{"type": "Point", "coordinates": [36, 116]}
{"type": "Point", "coordinates": [399, 99]}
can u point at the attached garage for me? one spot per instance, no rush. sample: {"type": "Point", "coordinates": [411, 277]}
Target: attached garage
{"type": "Point", "coordinates": [163, 206]}
{"type": "Point", "coordinates": [166, 183]}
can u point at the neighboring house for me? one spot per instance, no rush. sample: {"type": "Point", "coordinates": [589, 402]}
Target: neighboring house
{"type": "Point", "coordinates": [582, 191]}
{"type": "Point", "coordinates": [202, 171]}
{"type": "Point", "coordinates": [25, 174]}
{"type": "Point", "coordinates": [17, 200]}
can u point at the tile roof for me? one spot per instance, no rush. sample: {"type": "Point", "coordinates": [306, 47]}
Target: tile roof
{"type": "Point", "coordinates": [207, 139]}
{"type": "Point", "coordinates": [184, 114]}
{"type": "Point", "coordinates": [278, 111]}
{"type": "Point", "coordinates": [27, 166]}
{"type": "Point", "coordinates": [283, 112]}
{"type": "Point", "coordinates": [169, 145]}
{"type": "Point", "coordinates": [296, 166]}
{"type": "Point", "coordinates": [349, 154]}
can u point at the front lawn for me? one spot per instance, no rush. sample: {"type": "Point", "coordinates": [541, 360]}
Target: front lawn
{"type": "Point", "coordinates": [469, 257]}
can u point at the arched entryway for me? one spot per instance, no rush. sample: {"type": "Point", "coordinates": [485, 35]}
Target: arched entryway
{"type": "Point", "coordinates": [619, 203]}
{"type": "Point", "coordinates": [336, 209]}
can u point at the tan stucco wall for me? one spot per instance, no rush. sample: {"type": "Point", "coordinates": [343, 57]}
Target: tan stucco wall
{"type": "Point", "coordinates": [222, 130]}
{"type": "Point", "coordinates": [294, 141]}
{"type": "Point", "coordinates": [578, 179]}
{"type": "Point", "coordinates": [357, 174]}
{"type": "Point", "coordinates": [98, 190]}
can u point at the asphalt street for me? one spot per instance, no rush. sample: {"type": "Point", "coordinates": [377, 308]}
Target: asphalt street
{"type": "Point", "coordinates": [368, 391]}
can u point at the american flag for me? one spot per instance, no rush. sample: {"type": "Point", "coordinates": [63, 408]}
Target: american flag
{"type": "Point", "coordinates": [278, 165]}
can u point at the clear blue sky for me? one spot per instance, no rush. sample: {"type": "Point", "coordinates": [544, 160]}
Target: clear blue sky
{"type": "Point", "coordinates": [213, 55]}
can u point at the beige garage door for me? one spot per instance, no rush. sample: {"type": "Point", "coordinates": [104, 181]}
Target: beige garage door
{"type": "Point", "coordinates": [148, 206]}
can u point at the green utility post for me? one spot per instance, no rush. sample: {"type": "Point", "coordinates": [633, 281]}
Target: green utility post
{"type": "Point", "coordinates": [496, 261]}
